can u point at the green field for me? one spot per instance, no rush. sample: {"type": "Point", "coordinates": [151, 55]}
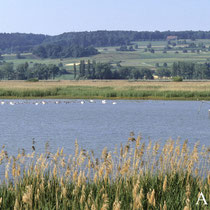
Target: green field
{"type": "Point", "coordinates": [137, 58]}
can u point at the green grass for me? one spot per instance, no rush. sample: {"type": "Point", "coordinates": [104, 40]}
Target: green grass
{"type": "Point", "coordinates": [65, 77]}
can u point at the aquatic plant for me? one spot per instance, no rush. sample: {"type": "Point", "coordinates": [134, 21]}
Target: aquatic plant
{"type": "Point", "coordinates": [135, 176]}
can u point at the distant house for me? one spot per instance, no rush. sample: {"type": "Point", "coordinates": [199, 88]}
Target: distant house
{"type": "Point", "coordinates": [169, 38]}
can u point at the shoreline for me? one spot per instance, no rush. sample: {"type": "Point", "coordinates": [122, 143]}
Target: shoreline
{"type": "Point", "coordinates": [105, 98]}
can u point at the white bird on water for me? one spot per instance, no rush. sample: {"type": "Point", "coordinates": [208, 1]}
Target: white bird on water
{"type": "Point", "coordinates": [103, 101]}
{"type": "Point", "coordinates": [43, 102]}
{"type": "Point", "coordinates": [11, 103]}
{"type": "Point", "coordinates": [91, 101]}
{"type": "Point", "coordinates": [36, 103]}
{"type": "Point", "coordinates": [82, 102]}
{"type": "Point", "coordinates": [2, 103]}
{"type": "Point", "coordinates": [114, 103]}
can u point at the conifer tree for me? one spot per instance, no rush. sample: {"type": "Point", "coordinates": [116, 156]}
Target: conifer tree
{"type": "Point", "coordinates": [93, 70]}
{"type": "Point", "coordinates": [80, 68]}
{"type": "Point", "coordinates": [88, 70]}
{"type": "Point", "coordinates": [83, 68]}
{"type": "Point", "coordinates": [75, 71]}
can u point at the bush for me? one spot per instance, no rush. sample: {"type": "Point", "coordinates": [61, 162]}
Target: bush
{"type": "Point", "coordinates": [177, 79]}
{"type": "Point", "coordinates": [33, 80]}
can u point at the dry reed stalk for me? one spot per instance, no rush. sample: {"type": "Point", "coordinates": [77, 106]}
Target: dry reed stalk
{"type": "Point", "coordinates": [27, 196]}
{"type": "Point", "coordinates": [165, 184]}
{"type": "Point", "coordinates": [93, 207]}
{"type": "Point", "coordinates": [151, 197]}
{"type": "Point", "coordinates": [164, 206]}
{"type": "Point", "coordinates": [116, 204]}
{"type": "Point", "coordinates": [105, 199]}
{"type": "Point", "coordinates": [83, 195]}
{"type": "Point", "coordinates": [17, 205]}
{"type": "Point", "coordinates": [90, 198]}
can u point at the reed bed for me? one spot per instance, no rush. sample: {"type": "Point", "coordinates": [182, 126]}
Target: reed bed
{"type": "Point", "coordinates": [137, 175]}
{"type": "Point", "coordinates": [89, 92]}
{"type": "Point", "coordinates": [106, 90]}
{"type": "Point", "coordinates": [116, 84]}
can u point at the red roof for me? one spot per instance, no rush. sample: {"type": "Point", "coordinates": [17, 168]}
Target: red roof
{"type": "Point", "coordinates": [171, 37]}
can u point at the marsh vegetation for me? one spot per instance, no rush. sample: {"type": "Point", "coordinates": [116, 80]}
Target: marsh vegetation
{"type": "Point", "coordinates": [110, 89]}
{"type": "Point", "coordinates": [135, 176]}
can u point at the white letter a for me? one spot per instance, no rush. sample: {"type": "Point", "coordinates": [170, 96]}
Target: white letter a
{"type": "Point", "coordinates": [203, 199]}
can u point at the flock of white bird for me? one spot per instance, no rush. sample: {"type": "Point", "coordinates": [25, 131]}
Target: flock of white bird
{"type": "Point", "coordinates": [12, 103]}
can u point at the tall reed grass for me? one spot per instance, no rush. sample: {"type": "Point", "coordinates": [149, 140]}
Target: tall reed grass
{"type": "Point", "coordinates": [134, 176]}
{"type": "Point", "coordinates": [103, 93]}
{"type": "Point", "coordinates": [113, 89]}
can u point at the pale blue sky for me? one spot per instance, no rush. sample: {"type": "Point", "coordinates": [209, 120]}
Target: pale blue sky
{"type": "Point", "coordinates": [57, 16]}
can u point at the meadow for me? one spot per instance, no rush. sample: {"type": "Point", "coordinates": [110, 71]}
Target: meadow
{"type": "Point", "coordinates": [138, 58]}
{"type": "Point", "coordinates": [136, 175]}
{"type": "Point", "coordinates": [106, 89]}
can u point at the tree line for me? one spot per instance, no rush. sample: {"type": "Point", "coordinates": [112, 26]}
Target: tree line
{"type": "Point", "coordinates": [20, 42]}
{"type": "Point", "coordinates": [119, 38]}
{"type": "Point", "coordinates": [57, 51]}
{"type": "Point", "coordinates": [185, 70]}
{"type": "Point", "coordinates": [189, 70]}
{"type": "Point", "coordinates": [26, 72]}
{"type": "Point", "coordinates": [93, 70]}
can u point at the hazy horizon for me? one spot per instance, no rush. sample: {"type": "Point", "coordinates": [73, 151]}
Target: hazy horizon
{"type": "Point", "coordinates": [51, 17]}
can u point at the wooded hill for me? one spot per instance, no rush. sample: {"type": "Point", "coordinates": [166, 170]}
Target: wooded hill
{"type": "Point", "coordinates": [20, 42]}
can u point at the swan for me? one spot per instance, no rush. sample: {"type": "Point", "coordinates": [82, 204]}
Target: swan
{"type": "Point", "coordinates": [103, 101]}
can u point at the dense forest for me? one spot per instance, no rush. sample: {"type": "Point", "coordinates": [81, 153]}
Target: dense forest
{"type": "Point", "coordinates": [119, 38]}
{"type": "Point", "coordinates": [19, 42]}
{"type": "Point", "coordinates": [58, 51]}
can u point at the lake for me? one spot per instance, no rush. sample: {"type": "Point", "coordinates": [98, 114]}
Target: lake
{"type": "Point", "coordinates": [96, 125]}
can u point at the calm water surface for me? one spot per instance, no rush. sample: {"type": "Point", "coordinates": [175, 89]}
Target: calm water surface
{"type": "Point", "coordinates": [97, 125]}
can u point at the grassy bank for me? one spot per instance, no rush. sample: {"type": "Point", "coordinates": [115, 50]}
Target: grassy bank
{"type": "Point", "coordinates": [135, 176]}
{"type": "Point", "coordinates": [106, 90]}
